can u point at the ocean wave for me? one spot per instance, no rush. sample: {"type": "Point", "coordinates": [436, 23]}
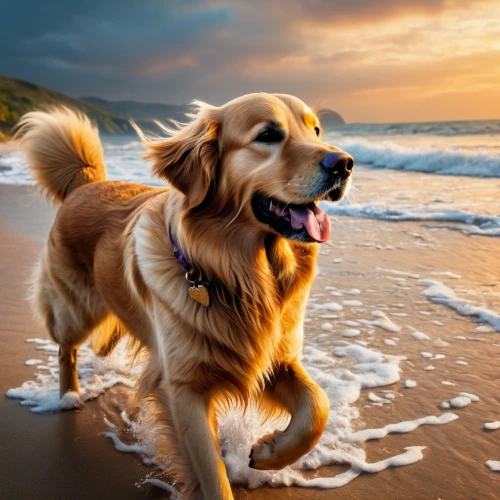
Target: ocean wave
{"type": "Point", "coordinates": [443, 129]}
{"type": "Point", "coordinates": [468, 222]}
{"type": "Point", "coordinates": [123, 158]}
{"type": "Point", "coordinates": [447, 161]}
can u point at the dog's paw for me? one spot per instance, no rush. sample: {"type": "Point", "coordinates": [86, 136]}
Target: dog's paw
{"type": "Point", "coordinates": [264, 453]}
{"type": "Point", "coordinates": [71, 401]}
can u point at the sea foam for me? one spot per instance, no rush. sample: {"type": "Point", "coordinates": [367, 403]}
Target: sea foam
{"type": "Point", "coordinates": [441, 294]}
{"type": "Point", "coordinates": [471, 223]}
{"type": "Point", "coordinates": [342, 377]}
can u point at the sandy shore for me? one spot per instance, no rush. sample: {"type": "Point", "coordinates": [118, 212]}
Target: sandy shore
{"type": "Point", "coordinates": [62, 455]}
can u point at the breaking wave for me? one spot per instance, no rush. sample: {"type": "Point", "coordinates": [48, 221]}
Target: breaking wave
{"type": "Point", "coordinates": [446, 161]}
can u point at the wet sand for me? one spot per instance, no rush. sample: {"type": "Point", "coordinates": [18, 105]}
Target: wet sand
{"type": "Point", "coordinates": [57, 456]}
{"type": "Point", "coordinates": [62, 455]}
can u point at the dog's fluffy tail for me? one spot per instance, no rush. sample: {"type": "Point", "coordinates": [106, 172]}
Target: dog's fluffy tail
{"type": "Point", "coordinates": [63, 149]}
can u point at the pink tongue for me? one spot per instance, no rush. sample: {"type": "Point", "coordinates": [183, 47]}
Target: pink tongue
{"type": "Point", "coordinates": [316, 222]}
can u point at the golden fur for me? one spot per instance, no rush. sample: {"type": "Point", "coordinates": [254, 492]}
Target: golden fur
{"type": "Point", "coordinates": [108, 268]}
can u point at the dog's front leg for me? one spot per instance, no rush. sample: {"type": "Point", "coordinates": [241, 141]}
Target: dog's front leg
{"type": "Point", "coordinates": [196, 426]}
{"type": "Point", "coordinates": [309, 407]}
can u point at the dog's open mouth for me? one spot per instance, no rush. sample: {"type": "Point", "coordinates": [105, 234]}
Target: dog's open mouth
{"type": "Point", "coordinates": [306, 223]}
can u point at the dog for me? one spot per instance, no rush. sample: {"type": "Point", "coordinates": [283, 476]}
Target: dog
{"type": "Point", "coordinates": [210, 275]}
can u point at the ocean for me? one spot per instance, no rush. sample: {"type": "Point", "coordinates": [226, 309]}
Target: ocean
{"type": "Point", "coordinates": [467, 148]}
{"type": "Point", "coordinates": [441, 171]}
{"type": "Point", "coordinates": [401, 328]}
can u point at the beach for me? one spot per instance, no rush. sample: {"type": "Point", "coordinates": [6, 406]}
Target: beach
{"type": "Point", "coordinates": [261, 117]}
{"type": "Point", "coordinates": [60, 456]}
{"type": "Point", "coordinates": [369, 293]}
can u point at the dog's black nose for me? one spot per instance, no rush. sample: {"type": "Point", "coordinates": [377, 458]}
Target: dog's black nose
{"type": "Point", "coordinates": [339, 163]}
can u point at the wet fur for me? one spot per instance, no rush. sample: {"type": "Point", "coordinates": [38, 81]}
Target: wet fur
{"type": "Point", "coordinates": [108, 268]}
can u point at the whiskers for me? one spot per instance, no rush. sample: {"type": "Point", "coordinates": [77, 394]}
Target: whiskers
{"type": "Point", "coordinates": [289, 203]}
{"type": "Point", "coordinates": [280, 183]}
{"type": "Point", "coordinates": [351, 192]}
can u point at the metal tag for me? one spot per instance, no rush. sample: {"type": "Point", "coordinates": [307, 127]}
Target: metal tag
{"type": "Point", "coordinates": [200, 294]}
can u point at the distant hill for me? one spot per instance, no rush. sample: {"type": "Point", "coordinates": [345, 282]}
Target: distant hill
{"type": "Point", "coordinates": [140, 111]}
{"type": "Point", "coordinates": [154, 111]}
{"type": "Point", "coordinates": [18, 97]}
{"type": "Point", "coordinates": [330, 118]}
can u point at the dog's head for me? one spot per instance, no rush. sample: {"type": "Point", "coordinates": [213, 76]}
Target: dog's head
{"type": "Point", "coordinates": [258, 158]}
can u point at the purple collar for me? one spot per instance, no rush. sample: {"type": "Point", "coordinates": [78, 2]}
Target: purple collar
{"type": "Point", "coordinates": [182, 260]}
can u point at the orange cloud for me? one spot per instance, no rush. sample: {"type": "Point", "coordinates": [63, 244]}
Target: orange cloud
{"type": "Point", "coordinates": [372, 60]}
{"type": "Point", "coordinates": [426, 66]}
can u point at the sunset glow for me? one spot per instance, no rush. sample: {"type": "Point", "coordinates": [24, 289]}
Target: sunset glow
{"type": "Point", "coordinates": [372, 61]}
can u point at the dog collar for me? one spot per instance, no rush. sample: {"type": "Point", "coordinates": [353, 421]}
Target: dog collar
{"type": "Point", "coordinates": [198, 290]}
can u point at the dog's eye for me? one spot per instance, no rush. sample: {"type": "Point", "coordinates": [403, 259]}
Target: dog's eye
{"type": "Point", "coordinates": [270, 135]}
{"type": "Point", "coordinates": [317, 130]}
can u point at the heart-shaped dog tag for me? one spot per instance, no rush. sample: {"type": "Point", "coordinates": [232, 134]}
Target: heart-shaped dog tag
{"type": "Point", "coordinates": [200, 294]}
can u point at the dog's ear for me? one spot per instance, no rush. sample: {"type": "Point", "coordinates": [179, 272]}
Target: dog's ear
{"type": "Point", "coordinates": [188, 159]}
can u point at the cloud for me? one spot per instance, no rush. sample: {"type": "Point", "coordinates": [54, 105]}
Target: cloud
{"type": "Point", "coordinates": [334, 53]}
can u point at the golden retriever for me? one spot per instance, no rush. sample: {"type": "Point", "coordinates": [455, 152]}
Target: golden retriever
{"type": "Point", "coordinates": [211, 275]}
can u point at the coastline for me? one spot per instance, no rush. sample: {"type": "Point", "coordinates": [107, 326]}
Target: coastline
{"type": "Point", "coordinates": [62, 455]}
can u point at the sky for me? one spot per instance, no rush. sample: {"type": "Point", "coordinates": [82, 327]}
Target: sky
{"type": "Point", "coordinates": [370, 60]}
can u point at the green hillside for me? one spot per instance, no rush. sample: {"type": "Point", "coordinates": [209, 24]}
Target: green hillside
{"type": "Point", "coordinates": [18, 97]}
